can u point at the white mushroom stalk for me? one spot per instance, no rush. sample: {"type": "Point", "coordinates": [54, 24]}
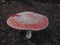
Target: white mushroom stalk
{"type": "Point", "coordinates": [28, 34]}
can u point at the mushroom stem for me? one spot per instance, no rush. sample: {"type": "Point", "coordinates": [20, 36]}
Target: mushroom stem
{"type": "Point", "coordinates": [28, 34]}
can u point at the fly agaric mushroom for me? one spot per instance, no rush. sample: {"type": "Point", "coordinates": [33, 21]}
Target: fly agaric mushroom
{"type": "Point", "coordinates": [28, 21]}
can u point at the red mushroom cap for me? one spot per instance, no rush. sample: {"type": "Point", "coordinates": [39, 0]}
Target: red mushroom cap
{"type": "Point", "coordinates": [28, 21]}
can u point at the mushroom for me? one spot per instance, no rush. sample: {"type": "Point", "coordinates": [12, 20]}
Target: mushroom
{"type": "Point", "coordinates": [29, 21]}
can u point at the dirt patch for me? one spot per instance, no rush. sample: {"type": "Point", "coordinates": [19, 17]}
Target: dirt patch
{"type": "Point", "coordinates": [48, 36]}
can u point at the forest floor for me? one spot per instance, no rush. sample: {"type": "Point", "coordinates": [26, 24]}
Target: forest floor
{"type": "Point", "coordinates": [48, 36]}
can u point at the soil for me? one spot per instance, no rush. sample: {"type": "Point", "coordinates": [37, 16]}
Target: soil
{"type": "Point", "coordinates": [48, 36]}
